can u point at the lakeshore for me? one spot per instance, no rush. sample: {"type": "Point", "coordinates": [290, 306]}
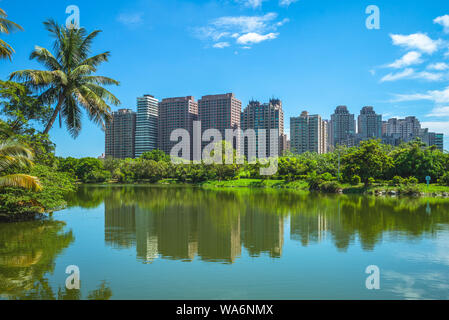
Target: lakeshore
{"type": "Point", "coordinates": [378, 189]}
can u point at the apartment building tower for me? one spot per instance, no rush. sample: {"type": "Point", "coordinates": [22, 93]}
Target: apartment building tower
{"type": "Point", "coordinates": [266, 116]}
{"type": "Point", "coordinates": [120, 135]}
{"type": "Point", "coordinates": [176, 113]}
{"type": "Point", "coordinates": [369, 124]}
{"type": "Point", "coordinates": [308, 133]}
{"type": "Point", "coordinates": [146, 124]}
{"type": "Point", "coordinates": [221, 112]}
{"type": "Point", "coordinates": [342, 127]}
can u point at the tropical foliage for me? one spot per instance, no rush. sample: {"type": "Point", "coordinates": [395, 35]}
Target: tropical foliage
{"type": "Point", "coordinates": [371, 162]}
{"type": "Point", "coordinates": [6, 27]}
{"type": "Point", "coordinates": [69, 82]}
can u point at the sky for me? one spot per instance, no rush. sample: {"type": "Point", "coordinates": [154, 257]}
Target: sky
{"type": "Point", "coordinates": [312, 54]}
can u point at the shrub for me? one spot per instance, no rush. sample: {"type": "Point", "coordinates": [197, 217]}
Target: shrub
{"type": "Point", "coordinates": [330, 186]}
{"type": "Point", "coordinates": [412, 181]}
{"type": "Point", "coordinates": [397, 181]}
{"type": "Point", "coordinates": [355, 180]}
{"type": "Point", "coordinates": [444, 180]}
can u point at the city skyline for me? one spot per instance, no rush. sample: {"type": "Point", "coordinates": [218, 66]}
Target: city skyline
{"type": "Point", "coordinates": [160, 121]}
{"type": "Point", "coordinates": [299, 53]}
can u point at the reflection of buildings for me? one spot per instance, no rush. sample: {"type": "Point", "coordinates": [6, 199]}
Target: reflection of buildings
{"type": "Point", "coordinates": [263, 233]}
{"type": "Point", "coordinates": [120, 225]}
{"type": "Point", "coordinates": [308, 228]}
{"type": "Point", "coordinates": [219, 242]}
{"type": "Point", "coordinates": [181, 233]}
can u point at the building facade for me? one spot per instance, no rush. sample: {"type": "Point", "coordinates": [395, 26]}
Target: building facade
{"type": "Point", "coordinates": [220, 112]}
{"type": "Point", "coordinates": [176, 113]}
{"type": "Point", "coordinates": [266, 116]}
{"type": "Point", "coordinates": [146, 124]}
{"type": "Point", "coordinates": [406, 129]}
{"type": "Point", "coordinates": [369, 124]}
{"type": "Point", "coordinates": [342, 127]}
{"type": "Point", "coordinates": [308, 133]}
{"type": "Point", "coordinates": [120, 135]}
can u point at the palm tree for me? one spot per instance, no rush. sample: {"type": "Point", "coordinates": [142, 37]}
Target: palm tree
{"type": "Point", "coordinates": [68, 82]}
{"type": "Point", "coordinates": [6, 26]}
{"type": "Point", "coordinates": [15, 155]}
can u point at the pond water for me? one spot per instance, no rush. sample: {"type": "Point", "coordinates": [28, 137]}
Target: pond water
{"type": "Point", "coordinates": [148, 242]}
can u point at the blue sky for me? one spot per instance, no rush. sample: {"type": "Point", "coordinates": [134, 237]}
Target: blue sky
{"type": "Point", "coordinates": [312, 54]}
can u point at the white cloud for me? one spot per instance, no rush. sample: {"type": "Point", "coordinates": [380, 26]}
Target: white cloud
{"type": "Point", "coordinates": [439, 112]}
{"type": "Point", "coordinates": [416, 41]}
{"type": "Point", "coordinates": [444, 21]}
{"type": "Point", "coordinates": [437, 96]}
{"type": "Point", "coordinates": [221, 45]}
{"type": "Point", "coordinates": [428, 76]}
{"type": "Point", "coordinates": [251, 3]}
{"type": "Point", "coordinates": [244, 29]}
{"type": "Point", "coordinates": [246, 24]}
{"type": "Point", "coordinates": [441, 66]}
{"type": "Point", "coordinates": [286, 3]}
{"type": "Point", "coordinates": [397, 76]}
{"type": "Point", "coordinates": [252, 37]}
{"type": "Point", "coordinates": [410, 58]}
{"type": "Point", "coordinates": [437, 126]}
{"type": "Point", "coordinates": [131, 19]}
{"type": "Point", "coordinates": [411, 74]}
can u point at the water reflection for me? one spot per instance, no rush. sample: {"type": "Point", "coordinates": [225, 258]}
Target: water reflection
{"type": "Point", "coordinates": [184, 223]}
{"type": "Point", "coordinates": [28, 251]}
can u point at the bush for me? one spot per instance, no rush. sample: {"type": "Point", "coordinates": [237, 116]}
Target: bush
{"type": "Point", "coordinates": [330, 186]}
{"type": "Point", "coordinates": [97, 176]}
{"type": "Point", "coordinates": [444, 180]}
{"type": "Point", "coordinates": [412, 181]}
{"type": "Point", "coordinates": [397, 181]}
{"type": "Point", "coordinates": [355, 180]}
{"type": "Point", "coordinates": [16, 202]}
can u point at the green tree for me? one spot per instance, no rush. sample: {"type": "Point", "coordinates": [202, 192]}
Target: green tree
{"type": "Point", "coordinates": [6, 26]}
{"type": "Point", "coordinates": [156, 155]}
{"type": "Point", "coordinates": [69, 83]}
{"type": "Point", "coordinates": [21, 108]}
{"type": "Point", "coordinates": [417, 160]}
{"type": "Point", "coordinates": [370, 160]}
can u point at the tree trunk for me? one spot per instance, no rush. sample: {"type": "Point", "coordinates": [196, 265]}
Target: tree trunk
{"type": "Point", "coordinates": [53, 117]}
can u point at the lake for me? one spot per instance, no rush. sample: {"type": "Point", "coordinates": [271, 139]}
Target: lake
{"type": "Point", "coordinates": [156, 242]}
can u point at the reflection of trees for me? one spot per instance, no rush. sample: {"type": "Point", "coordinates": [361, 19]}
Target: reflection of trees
{"type": "Point", "coordinates": [181, 222]}
{"type": "Point", "coordinates": [27, 253]}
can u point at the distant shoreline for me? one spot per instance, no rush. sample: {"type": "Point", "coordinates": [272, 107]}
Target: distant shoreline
{"type": "Point", "coordinates": [434, 190]}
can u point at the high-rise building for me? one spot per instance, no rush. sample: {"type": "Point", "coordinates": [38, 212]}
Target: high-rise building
{"type": "Point", "coordinates": [220, 112]}
{"type": "Point", "coordinates": [405, 129]}
{"type": "Point", "coordinates": [176, 113]}
{"type": "Point", "coordinates": [342, 127]}
{"type": "Point", "coordinates": [308, 133]}
{"type": "Point", "coordinates": [433, 139]}
{"type": "Point", "coordinates": [267, 116]}
{"type": "Point", "coordinates": [146, 124]}
{"type": "Point", "coordinates": [120, 134]}
{"type": "Point", "coordinates": [369, 124]}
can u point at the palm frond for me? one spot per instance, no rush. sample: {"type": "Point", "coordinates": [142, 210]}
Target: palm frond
{"type": "Point", "coordinates": [72, 116]}
{"type": "Point", "coordinates": [6, 51]}
{"type": "Point", "coordinates": [97, 59]}
{"type": "Point", "coordinates": [46, 58]}
{"type": "Point", "coordinates": [20, 181]}
{"type": "Point", "coordinates": [39, 78]}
